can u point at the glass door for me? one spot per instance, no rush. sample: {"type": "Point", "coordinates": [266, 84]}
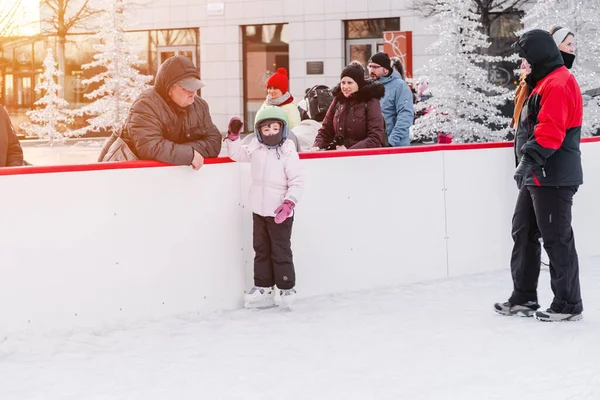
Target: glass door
{"type": "Point", "coordinates": [9, 90]}
{"type": "Point", "coordinates": [25, 93]}
{"type": "Point", "coordinates": [362, 49]}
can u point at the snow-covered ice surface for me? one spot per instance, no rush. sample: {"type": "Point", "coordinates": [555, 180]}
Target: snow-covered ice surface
{"type": "Point", "coordinates": [437, 340]}
{"type": "Point", "coordinates": [83, 153]}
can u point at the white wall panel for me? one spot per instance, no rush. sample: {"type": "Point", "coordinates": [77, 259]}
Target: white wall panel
{"type": "Point", "coordinates": [97, 247]}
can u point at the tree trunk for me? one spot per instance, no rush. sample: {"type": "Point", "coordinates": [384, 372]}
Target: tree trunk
{"type": "Point", "coordinates": [486, 21]}
{"type": "Point", "coordinates": [60, 55]}
{"type": "Point", "coordinates": [487, 27]}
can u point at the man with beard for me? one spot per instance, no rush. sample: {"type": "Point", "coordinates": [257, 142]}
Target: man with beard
{"type": "Point", "coordinates": [396, 104]}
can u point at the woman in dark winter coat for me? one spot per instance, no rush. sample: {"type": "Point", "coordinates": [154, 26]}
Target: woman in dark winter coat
{"type": "Point", "coordinates": [354, 119]}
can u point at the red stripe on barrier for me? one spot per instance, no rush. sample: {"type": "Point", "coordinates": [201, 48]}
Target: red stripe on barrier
{"type": "Point", "coordinates": [419, 149]}
{"type": "Point", "coordinates": [590, 139]}
{"type": "Point", "coordinates": [78, 167]}
{"type": "Point", "coordinates": [306, 156]}
{"type": "Point", "coordinates": [403, 150]}
{"type": "Point", "coordinates": [98, 166]}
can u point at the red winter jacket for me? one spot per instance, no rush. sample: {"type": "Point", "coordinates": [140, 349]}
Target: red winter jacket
{"type": "Point", "coordinates": [550, 125]}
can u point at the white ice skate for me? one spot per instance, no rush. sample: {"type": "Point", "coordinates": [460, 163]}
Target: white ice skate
{"type": "Point", "coordinates": [287, 297]}
{"type": "Point", "coordinates": [260, 297]}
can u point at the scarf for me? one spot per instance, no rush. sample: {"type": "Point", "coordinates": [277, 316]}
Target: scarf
{"type": "Point", "coordinates": [284, 98]}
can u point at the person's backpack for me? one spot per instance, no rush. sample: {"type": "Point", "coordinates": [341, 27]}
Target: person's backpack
{"type": "Point", "coordinates": [318, 99]}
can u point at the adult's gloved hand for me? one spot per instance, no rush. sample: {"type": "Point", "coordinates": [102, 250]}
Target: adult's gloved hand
{"type": "Point", "coordinates": [523, 169]}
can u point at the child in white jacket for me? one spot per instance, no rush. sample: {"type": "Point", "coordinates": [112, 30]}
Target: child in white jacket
{"type": "Point", "coordinates": [277, 185]}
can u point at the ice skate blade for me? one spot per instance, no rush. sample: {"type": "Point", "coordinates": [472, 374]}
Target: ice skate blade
{"type": "Point", "coordinates": [250, 306]}
{"type": "Point", "coordinates": [522, 313]}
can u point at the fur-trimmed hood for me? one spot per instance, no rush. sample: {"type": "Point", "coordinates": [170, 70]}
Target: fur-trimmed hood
{"type": "Point", "coordinates": [371, 90]}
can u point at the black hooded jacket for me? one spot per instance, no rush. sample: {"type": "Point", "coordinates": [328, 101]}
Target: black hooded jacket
{"type": "Point", "coordinates": [549, 131]}
{"type": "Point", "coordinates": [358, 118]}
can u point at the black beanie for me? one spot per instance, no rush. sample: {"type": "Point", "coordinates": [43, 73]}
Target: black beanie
{"type": "Point", "coordinates": [356, 72]}
{"type": "Point", "coordinates": [382, 59]}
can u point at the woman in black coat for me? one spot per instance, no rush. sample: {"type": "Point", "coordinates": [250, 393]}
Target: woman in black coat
{"type": "Point", "coordinates": [354, 119]}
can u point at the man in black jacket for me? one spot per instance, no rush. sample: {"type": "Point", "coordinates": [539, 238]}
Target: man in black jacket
{"type": "Point", "coordinates": [548, 176]}
{"type": "Point", "coordinates": [11, 154]}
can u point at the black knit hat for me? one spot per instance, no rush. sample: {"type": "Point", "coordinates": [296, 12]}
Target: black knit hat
{"type": "Point", "coordinates": [356, 72]}
{"type": "Point", "coordinates": [382, 59]}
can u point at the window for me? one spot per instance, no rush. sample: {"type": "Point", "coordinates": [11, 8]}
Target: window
{"type": "Point", "coordinates": [503, 31]}
{"type": "Point", "coordinates": [24, 90]}
{"type": "Point", "coordinates": [505, 26]}
{"type": "Point", "coordinates": [265, 48]}
{"type": "Point", "coordinates": [370, 28]}
{"type": "Point", "coordinates": [364, 37]}
{"type": "Point", "coordinates": [9, 89]}
{"type": "Point", "coordinates": [171, 41]}
{"type": "Point", "coordinates": [165, 52]}
{"type": "Point", "coordinates": [22, 59]}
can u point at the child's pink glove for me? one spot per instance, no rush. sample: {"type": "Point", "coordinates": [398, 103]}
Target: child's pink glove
{"type": "Point", "coordinates": [234, 128]}
{"type": "Point", "coordinates": [284, 211]}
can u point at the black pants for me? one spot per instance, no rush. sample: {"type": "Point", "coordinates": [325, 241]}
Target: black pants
{"type": "Point", "coordinates": [545, 211]}
{"type": "Point", "coordinates": [273, 261]}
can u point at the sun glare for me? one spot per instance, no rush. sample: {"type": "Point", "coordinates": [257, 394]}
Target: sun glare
{"type": "Point", "coordinates": [26, 19]}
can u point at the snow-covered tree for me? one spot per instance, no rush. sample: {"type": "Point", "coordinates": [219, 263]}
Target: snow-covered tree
{"type": "Point", "coordinates": [51, 119]}
{"type": "Point", "coordinates": [581, 17]}
{"type": "Point", "coordinates": [463, 101]}
{"type": "Point", "coordinates": [488, 11]}
{"type": "Point", "coordinates": [121, 82]}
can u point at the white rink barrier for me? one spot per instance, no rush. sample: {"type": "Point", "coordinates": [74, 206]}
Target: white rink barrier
{"type": "Point", "coordinates": [102, 244]}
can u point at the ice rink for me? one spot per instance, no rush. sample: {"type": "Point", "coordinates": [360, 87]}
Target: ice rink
{"type": "Point", "coordinates": [430, 341]}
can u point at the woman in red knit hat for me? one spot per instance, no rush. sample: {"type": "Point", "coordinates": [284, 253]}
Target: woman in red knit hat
{"type": "Point", "coordinates": [278, 95]}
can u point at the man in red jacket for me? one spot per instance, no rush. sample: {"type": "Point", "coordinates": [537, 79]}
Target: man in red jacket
{"type": "Point", "coordinates": [548, 176]}
{"type": "Point", "coordinates": [11, 154]}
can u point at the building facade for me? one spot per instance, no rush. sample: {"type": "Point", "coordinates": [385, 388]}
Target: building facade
{"type": "Point", "coordinates": [242, 42]}
{"type": "Point", "coordinates": [236, 45]}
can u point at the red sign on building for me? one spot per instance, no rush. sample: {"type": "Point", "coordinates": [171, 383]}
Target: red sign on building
{"type": "Point", "coordinates": [399, 44]}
